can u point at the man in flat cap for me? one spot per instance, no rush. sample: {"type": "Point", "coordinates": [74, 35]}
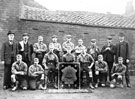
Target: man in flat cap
{"type": "Point", "coordinates": [122, 50]}
{"type": "Point", "coordinates": [79, 48]}
{"type": "Point", "coordinates": [8, 56]}
{"type": "Point", "coordinates": [94, 51]}
{"type": "Point", "coordinates": [26, 49]}
{"type": "Point", "coordinates": [108, 51]}
{"type": "Point", "coordinates": [68, 44]}
{"type": "Point", "coordinates": [57, 46]}
{"type": "Point", "coordinates": [40, 49]}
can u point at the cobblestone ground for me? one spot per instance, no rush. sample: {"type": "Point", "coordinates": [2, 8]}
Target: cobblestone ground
{"type": "Point", "coordinates": [100, 93]}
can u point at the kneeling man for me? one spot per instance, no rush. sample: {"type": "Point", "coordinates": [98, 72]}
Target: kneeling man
{"type": "Point", "coordinates": [101, 69]}
{"type": "Point", "coordinates": [36, 75]}
{"type": "Point", "coordinates": [118, 71]}
{"type": "Point", "coordinates": [19, 71]}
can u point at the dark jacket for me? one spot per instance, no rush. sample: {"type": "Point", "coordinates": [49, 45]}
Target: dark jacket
{"type": "Point", "coordinates": [8, 52]}
{"type": "Point", "coordinates": [29, 50]}
{"type": "Point", "coordinates": [108, 54]}
{"type": "Point", "coordinates": [122, 51]}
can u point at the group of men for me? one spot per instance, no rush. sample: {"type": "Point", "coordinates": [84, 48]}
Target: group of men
{"type": "Point", "coordinates": [34, 66]}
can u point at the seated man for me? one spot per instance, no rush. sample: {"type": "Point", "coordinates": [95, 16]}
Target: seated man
{"type": "Point", "coordinates": [36, 75]}
{"type": "Point", "coordinates": [50, 62]}
{"type": "Point", "coordinates": [19, 71]}
{"type": "Point", "coordinates": [86, 62]}
{"type": "Point", "coordinates": [118, 71]}
{"type": "Point", "coordinates": [101, 69]}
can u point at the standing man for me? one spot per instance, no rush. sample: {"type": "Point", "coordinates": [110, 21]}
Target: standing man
{"type": "Point", "coordinates": [50, 62]}
{"type": "Point", "coordinates": [94, 51]}
{"type": "Point", "coordinates": [68, 44]}
{"type": "Point", "coordinates": [122, 50]}
{"type": "Point", "coordinates": [108, 51]}
{"type": "Point", "coordinates": [57, 46]}
{"type": "Point", "coordinates": [25, 49]}
{"type": "Point", "coordinates": [79, 48]}
{"type": "Point", "coordinates": [8, 56]}
{"type": "Point", "coordinates": [86, 62]}
{"type": "Point", "coordinates": [40, 49]}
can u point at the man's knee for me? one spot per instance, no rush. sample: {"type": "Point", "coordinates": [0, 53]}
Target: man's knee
{"type": "Point", "coordinates": [13, 78]}
{"type": "Point", "coordinates": [120, 77]}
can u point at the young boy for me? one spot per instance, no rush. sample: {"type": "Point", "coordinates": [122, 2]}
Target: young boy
{"type": "Point", "coordinates": [101, 69]}
{"type": "Point", "coordinates": [36, 75]}
{"type": "Point", "coordinates": [19, 71]}
{"type": "Point", "coordinates": [118, 71]}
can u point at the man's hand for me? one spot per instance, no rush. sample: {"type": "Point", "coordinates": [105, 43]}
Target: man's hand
{"type": "Point", "coordinates": [108, 48]}
{"type": "Point", "coordinates": [127, 60]}
{"type": "Point", "coordinates": [21, 73]}
{"type": "Point", "coordinates": [2, 62]}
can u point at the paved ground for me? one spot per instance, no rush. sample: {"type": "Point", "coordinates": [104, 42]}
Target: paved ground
{"type": "Point", "coordinates": [100, 93]}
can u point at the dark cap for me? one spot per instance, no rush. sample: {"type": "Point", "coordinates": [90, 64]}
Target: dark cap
{"type": "Point", "coordinates": [10, 32]}
{"type": "Point", "coordinates": [54, 36]}
{"type": "Point", "coordinates": [109, 37]}
{"type": "Point", "coordinates": [121, 34]}
{"type": "Point", "coordinates": [120, 58]}
{"type": "Point", "coordinates": [25, 34]}
{"type": "Point", "coordinates": [68, 36]}
{"type": "Point", "coordinates": [93, 40]}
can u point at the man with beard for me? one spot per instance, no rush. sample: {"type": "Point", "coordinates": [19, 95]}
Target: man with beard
{"type": "Point", "coordinates": [57, 46]}
{"type": "Point", "coordinates": [8, 56]}
{"type": "Point", "coordinates": [122, 50]}
{"type": "Point", "coordinates": [50, 62]}
{"type": "Point", "coordinates": [108, 51]}
{"type": "Point", "coordinates": [40, 49]}
{"type": "Point", "coordinates": [26, 50]}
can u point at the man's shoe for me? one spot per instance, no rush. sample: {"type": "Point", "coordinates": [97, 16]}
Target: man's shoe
{"type": "Point", "coordinates": [103, 85]}
{"type": "Point", "coordinates": [129, 86]}
{"type": "Point", "coordinates": [56, 86]}
{"type": "Point", "coordinates": [24, 88]}
{"type": "Point", "coordinates": [91, 86]}
{"type": "Point", "coordinates": [121, 85]}
{"type": "Point", "coordinates": [96, 86]}
{"type": "Point", "coordinates": [5, 87]}
{"type": "Point", "coordinates": [14, 88]}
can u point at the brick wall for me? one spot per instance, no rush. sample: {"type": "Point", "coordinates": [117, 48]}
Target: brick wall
{"type": "Point", "coordinates": [9, 12]}
{"type": "Point", "coordinates": [47, 29]}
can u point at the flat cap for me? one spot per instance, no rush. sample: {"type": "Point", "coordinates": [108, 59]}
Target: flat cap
{"type": "Point", "coordinates": [54, 36]}
{"type": "Point", "coordinates": [25, 34]}
{"type": "Point", "coordinates": [93, 40]}
{"type": "Point", "coordinates": [109, 37]}
{"type": "Point", "coordinates": [10, 32]}
{"type": "Point", "coordinates": [68, 36]}
{"type": "Point", "coordinates": [121, 34]}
